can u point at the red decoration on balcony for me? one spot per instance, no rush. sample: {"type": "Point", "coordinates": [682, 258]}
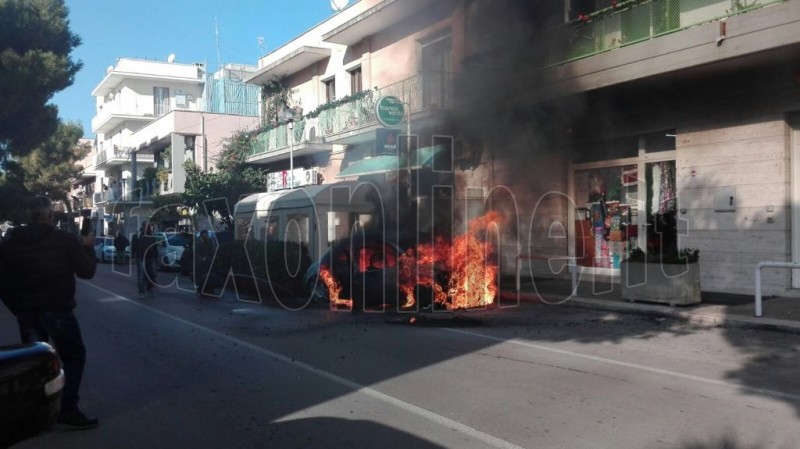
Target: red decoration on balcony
{"type": "Point", "coordinates": [583, 18]}
{"type": "Point", "coordinates": [613, 3]}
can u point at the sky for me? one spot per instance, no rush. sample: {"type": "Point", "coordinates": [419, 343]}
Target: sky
{"type": "Point", "coordinates": [153, 29]}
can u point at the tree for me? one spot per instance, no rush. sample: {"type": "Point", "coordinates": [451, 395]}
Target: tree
{"type": "Point", "coordinates": [35, 63]}
{"type": "Point", "coordinates": [217, 192]}
{"type": "Point", "coordinates": [51, 168]}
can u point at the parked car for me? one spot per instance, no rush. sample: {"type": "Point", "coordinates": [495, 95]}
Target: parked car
{"type": "Point", "coordinates": [170, 249]}
{"type": "Point", "coordinates": [31, 382]}
{"type": "Point", "coordinates": [366, 269]}
{"type": "Point", "coordinates": [105, 251]}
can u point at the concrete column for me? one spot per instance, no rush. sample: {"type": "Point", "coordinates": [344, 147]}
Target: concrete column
{"type": "Point", "coordinates": [176, 164]}
{"type": "Point", "coordinates": [133, 176]}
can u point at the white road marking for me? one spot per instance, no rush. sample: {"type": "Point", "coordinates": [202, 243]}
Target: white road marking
{"type": "Point", "coordinates": [649, 369]}
{"type": "Point", "coordinates": [375, 394]}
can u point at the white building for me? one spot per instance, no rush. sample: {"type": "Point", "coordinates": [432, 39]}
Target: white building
{"type": "Point", "coordinates": [149, 109]}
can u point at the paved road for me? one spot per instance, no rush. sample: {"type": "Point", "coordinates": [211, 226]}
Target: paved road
{"type": "Point", "coordinates": [176, 371]}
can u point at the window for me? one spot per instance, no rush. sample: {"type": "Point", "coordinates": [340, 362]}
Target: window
{"type": "Point", "coordinates": [330, 90]}
{"type": "Point", "coordinates": [356, 84]}
{"type": "Point", "coordinates": [436, 69]}
{"type": "Point", "coordinates": [160, 101]}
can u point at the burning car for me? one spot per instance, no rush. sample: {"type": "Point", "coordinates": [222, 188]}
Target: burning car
{"type": "Point", "coordinates": [368, 271]}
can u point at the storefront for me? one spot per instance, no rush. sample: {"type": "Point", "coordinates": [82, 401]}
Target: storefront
{"type": "Point", "coordinates": [623, 203]}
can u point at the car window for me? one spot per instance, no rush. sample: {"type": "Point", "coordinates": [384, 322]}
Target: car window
{"type": "Point", "coordinates": [176, 240]}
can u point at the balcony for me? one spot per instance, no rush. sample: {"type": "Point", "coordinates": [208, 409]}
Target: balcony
{"type": "Point", "coordinates": [113, 156]}
{"type": "Point", "coordinates": [113, 113]}
{"type": "Point", "coordinates": [422, 93]}
{"type": "Point", "coordinates": [634, 21]}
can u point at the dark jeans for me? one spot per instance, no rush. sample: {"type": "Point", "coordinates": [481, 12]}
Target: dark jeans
{"type": "Point", "coordinates": [146, 274]}
{"type": "Point", "coordinates": [61, 329]}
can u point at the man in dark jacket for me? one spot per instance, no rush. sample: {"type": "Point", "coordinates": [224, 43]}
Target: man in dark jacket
{"type": "Point", "coordinates": [40, 264]}
{"type": "Point", "coordinates": [120, 243]}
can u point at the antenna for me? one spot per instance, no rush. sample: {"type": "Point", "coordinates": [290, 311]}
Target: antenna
{"type": "Point", "coordinates": [261, 47]}
{"type": "Point", "coordinates": [216, 32]}
{"type": "Point", "coordinates": [338, 5]}
{"type": "Point", "coordinates": [171, 58]}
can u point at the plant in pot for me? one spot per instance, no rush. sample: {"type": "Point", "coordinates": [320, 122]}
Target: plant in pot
{"type": "Point", "coordinates": [672, 278]}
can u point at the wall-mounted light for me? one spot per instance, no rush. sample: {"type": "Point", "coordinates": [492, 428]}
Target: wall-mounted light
{"type": "Point", "coordinates": [188, 142]}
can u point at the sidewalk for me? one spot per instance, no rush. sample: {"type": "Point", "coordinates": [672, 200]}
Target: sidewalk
{"type": "Point", "coordinates": [716, 309]}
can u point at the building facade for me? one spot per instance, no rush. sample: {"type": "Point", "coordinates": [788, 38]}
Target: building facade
{"type": "Point", "coordinates": [153, 117]}
{"type": "Point", "coordinates": [594, 126]}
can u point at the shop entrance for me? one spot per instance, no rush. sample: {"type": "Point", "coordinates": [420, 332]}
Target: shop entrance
{"type": "Point", "coordinates": [621, 205]}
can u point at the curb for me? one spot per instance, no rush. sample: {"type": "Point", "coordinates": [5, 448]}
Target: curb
{"type": "Point", "coordinates": [694, 318]}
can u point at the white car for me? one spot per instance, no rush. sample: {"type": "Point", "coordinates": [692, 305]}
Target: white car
{"type": "Point", "coordinates": [170, 249]}
{"type": "Point", "coordinates": [105, 251]}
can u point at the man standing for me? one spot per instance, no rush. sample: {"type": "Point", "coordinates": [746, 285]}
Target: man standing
{"type": "Point", "coordinates": [38, 285]}
{"type": "Point", "coordinates": [120, 243]}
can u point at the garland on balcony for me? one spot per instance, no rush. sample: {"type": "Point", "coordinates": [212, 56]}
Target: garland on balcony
{"type": "Point", "coordinates": [615, 7]}
{"type": "Point", "coordinates": [336, 103]}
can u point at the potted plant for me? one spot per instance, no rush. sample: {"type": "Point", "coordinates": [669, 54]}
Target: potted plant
{"type": "Point", "coordinates": [672, 278]}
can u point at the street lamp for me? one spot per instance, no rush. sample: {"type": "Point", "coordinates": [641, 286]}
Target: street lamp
{"type": "Point", "coordinates": [289, 115]}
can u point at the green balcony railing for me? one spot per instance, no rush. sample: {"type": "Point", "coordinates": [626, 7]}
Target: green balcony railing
{"type": "Point", "coordinates": [632, 21]}
{"type": "Point", "coordinates": [433, 90]}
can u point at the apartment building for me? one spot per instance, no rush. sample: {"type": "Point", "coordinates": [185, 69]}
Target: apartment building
{"type": "Point", "coordinates": [653, 124]}
{"type": "Point", "coordinates": [594, 126]}
{"type": "Point", "coordinates": [159, 115]}
{"type": "Point", "coordinates": [319, 120]}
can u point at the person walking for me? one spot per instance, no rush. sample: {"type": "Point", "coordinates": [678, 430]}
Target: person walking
{"type": "Point", "coordinates": [146, 256]}
{"type": "Point", "coordinates": [40, 264]}
{"type": "Point", "coordinates": [120, 243]}
{"type": "Point", "coordinates": [203, 255]}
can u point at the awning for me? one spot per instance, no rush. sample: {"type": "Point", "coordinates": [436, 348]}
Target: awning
{"type": "Point", "coordinates": [386, 163]}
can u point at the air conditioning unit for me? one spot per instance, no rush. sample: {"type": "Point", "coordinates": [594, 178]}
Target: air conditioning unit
{"type": "Point", "coordinates": [310, 177]}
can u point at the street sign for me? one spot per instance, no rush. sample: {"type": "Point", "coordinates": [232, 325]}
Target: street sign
{"type": "Point", "coordinates": [389, 110]}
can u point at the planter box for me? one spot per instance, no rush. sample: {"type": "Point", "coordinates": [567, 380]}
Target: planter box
{"type": "Point", "coordinates": [667, 283]}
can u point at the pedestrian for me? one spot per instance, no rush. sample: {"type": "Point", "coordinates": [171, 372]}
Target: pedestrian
{"type": "Point", "coordinates": [120, 243]}
{"type": "Point", "coordinates": [146, 256]}
{"type": "Point", "coordinates": [39, 264]}
{"type": "Point", "coordinates": [203, 255]}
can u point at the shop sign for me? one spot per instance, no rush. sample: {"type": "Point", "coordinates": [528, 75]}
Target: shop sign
{"type": "Point", "coordinates": [386, 141]}
{"type": "Point", "coordinates": [389, 111]}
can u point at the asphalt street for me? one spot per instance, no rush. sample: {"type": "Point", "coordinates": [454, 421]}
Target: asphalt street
{"type": "Point", "coordinates": [178, 371]}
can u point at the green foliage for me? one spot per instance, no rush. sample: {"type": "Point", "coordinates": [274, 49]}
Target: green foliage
{"type": "Point", "coordinates": [52, 166]}
{"type": "Point", "coordinates": [218, 192]}
{"type": "Point", "coordinates": [683, 256]}
{"type": "Point", "coordinates": [274, 95]}
{"type": "Point", "coordinates": [336, 103]}
{"type": "Point", "coordinates": [281, 263]}
{"type": "Point", "coordinates": [35, 63]}
{"type": "Point", "coordinates": [165, 207]}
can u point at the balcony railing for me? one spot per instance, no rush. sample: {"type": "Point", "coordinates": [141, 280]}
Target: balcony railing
{"type": "Point", "coordinates": [431, 91]}
{"type": "Point", "coordinates": [634, 21]}
{"type": "Point", "coordinates": [119, 153]}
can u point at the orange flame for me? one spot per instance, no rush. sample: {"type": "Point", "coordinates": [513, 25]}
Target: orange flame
{"type": "Point", "coordinates": [472, 276]}
{"type": "Point", "coordinates": [334, 290]}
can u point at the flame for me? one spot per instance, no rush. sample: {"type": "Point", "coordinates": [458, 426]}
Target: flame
{"type": "Point", "coordinates": [472, 281]}
{"type": "Point", "coordinates": [334, 290]}
{"type": "Point", "coordinates": [472, 276]}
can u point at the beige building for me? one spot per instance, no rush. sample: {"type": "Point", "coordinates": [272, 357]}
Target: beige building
{"type": "Point", "coordinates": [595, 126]}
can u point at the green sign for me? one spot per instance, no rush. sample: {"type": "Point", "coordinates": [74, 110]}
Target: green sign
{"type": "Point", "coordinates": [389, 111]}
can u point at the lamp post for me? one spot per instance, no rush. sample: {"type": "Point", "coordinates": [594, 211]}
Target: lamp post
{"type": "Point", "coordinates": [290, 115]}
{"type": "Point", "coordinates": [290, 126]}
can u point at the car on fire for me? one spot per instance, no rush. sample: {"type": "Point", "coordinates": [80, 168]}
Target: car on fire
{"type": "Point", "coordinates": [368, 271]}
{"type": "Point", "coordinates": [31, 382]}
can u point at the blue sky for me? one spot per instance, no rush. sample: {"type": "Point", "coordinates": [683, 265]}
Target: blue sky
{"type": "Point", "coordinates": [152, 29]}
